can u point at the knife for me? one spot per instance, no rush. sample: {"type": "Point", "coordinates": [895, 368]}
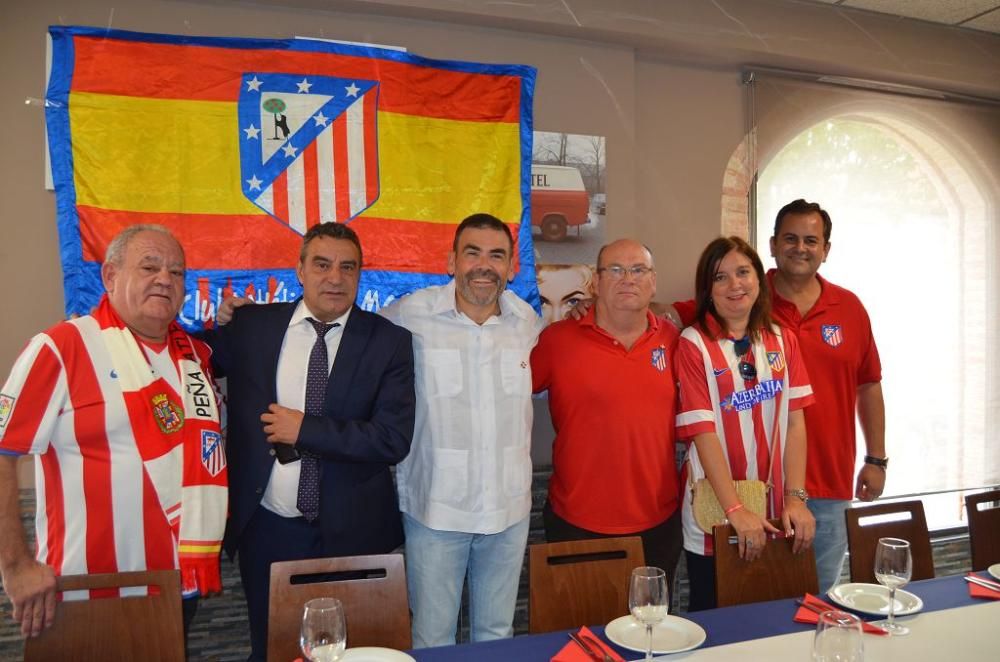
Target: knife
{"type": "Point", "coordinates": [586, 647]}
{"type": "Point", "coordinates": [600, 649]}
{"type": "Point", "coordinates": [811, 607]}
{"type": "Point", "coordinates": [985, 583]}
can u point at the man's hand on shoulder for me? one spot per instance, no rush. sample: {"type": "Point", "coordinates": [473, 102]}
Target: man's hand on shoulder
{"type": "Point", "coordinates": [228, 306]}
{"type": "Point", "coordinates": [578, 311]}
{"type": "Point", "coordinates": [667, 312]}
{"type": "Point", "coordinates": [31, 587]}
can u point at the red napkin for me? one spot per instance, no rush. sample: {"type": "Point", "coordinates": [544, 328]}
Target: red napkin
{"type": "Point", "coordinates": [977, 591]}
{"type": "Point", "coordinates": [573, 653]}
{"type": "Point", "coordinates": [805, 615]}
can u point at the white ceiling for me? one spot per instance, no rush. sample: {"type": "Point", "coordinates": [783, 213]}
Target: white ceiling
{"type": "Point", "coordinates": [974, 14]}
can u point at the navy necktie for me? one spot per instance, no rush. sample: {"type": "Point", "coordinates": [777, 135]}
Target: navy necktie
{"type": "Point", "coordinates": [317, 376]}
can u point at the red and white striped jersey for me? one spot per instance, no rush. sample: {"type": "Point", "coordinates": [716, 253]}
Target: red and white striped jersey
{"type": "Point", "coordinates": [98, 507]}
{"type": "Point", "coordinates": [749, 416]}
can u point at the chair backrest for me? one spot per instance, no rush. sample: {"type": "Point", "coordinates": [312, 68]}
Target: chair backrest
{"type": "Point", "coordinates": [147, 627]}
{"type": "Point", "coordinates": [776, 574]}
{"type": "Point", "coordinates": [863, 532]}
{"type": "Point", "coordinates": [983, 510]}
{"type": "Point", "coordinates": [580, 582]}
{"type": "Point", "coordinates": [371, 588]}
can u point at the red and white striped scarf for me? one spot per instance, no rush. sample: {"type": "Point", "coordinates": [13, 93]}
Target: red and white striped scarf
{"type": "Point", "coordinates": [165, 424]}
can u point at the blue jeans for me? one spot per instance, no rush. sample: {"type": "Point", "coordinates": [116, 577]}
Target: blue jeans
{"type": "Point", "coordinates": [436, 566]}
{"type": "Point", "coordinates": [831, 539]}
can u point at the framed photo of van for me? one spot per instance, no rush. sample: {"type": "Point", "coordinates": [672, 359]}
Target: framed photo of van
{"type": "Point", "coordinates": [568, 213]}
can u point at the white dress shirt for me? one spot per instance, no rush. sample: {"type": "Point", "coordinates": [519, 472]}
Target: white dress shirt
{"type": "Point", "coordinates": [469, 468]}
{"type": "Point", "coordinates": [293, 365]}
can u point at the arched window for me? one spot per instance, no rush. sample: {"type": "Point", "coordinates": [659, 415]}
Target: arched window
{"type": "Point", "coordinates": [914, 236]}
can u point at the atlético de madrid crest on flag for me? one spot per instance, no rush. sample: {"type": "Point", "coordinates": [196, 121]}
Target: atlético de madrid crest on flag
{"type": "Point", "coordinates": [832, 335]}
{"type": "Point", "coordinates": [308, 146]}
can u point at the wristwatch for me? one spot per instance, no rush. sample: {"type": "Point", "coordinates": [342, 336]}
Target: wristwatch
{"type": "Point", "coordinates": [877, 461]}
{"type": "Point", "coordinates": [800, 493]}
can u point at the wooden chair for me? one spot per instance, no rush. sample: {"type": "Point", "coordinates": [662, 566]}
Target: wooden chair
{"type": "Point", "coordinates": [148, 627]}
{"type": "Point", "coordinates": [776, 574]}
{"type": "Point", "coordinates": [371, 588]}
{"type": "Point", "coordinates": [580, 582]}
{"type": "Point", "coordinates": [863, 535]}
{"type": "Point", "coordinates": [984, 528]}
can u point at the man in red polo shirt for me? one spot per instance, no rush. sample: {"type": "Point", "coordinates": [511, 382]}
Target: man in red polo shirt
{"type": "Point", "coordinates": [612, 397]}
{"type": "Point", "coordinates": [843, 363]}
{"type": "Point", "coordinates": [835, 337]}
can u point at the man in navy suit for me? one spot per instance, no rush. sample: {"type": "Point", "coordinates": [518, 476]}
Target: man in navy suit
{"type": "Point", "coordinates": [276, 445]}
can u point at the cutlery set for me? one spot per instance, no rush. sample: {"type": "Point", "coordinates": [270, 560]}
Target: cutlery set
{"type": "Point", "coordinates": [810, 606]}
{"type": "Point", "coordinates": [985, 583]}
{"type": "Point", "coordinates": [593, 650]}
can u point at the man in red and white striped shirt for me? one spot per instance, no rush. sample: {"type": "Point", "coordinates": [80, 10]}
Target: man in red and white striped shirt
{"type": "Point", "coordinates": [120, 410]}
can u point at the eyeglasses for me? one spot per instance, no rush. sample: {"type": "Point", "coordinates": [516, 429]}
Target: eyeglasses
{"type": "Point", "coordinates": [747, 370]}
{"type": "Point", "coordinates": [617, 271]}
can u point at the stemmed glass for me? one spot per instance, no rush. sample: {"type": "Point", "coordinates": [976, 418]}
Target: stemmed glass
{"type": "Point", "coordinates": [648, 600]}
{"type": "Point", "coordinates": [324, 633]}
{"type": "Point", "coordinates": [893, 568]}
{"type": "Point", "coordinates": [838, 638]}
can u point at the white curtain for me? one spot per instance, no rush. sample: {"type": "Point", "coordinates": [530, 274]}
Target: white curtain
{"type": "Point", "coordinates": [912, 186]}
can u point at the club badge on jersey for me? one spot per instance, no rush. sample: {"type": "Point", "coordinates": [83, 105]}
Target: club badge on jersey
{"type": "Point", "coordinates": [832, 334]}
{"type": "Point", "coordinates": [776, 360]}
{"type": "Point", "coordinates": [169, 416]}
{"type": "Point", "coordinates": [6, 408]}
{"type": "Point", "coordinates": [658, 357]}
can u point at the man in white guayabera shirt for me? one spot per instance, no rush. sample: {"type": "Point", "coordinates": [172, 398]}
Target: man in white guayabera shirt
{"type": "Point", "coordinates": [465, 488]}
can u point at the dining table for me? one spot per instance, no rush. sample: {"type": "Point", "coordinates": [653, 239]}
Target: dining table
{"type": "Point", "coordinates": [952, 625]}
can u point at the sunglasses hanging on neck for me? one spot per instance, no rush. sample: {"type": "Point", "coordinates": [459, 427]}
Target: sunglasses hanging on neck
{"type": "Point", "coordinates": [747, 370]}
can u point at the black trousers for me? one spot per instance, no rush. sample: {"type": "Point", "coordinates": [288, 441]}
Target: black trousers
{"type": "Point", "coordinates": [701, 581]}
{"type": "Point", "coordinates": [661, 544]}
{"type": "Point", "coordinates": [189, 607]}
{"type": "Point", "coordinates": [269, 538]}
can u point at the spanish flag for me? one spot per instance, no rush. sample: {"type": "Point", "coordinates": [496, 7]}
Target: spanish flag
{"type": "Point", "coordinates": [240, 145]}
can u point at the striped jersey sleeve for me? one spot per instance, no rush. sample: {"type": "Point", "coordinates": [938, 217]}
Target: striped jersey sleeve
{"type": "Point", "coordinates": [32, 398]}
{"type": "Point", "coordinates": [695, 414]}
{"type": "Point", "coordinates": [800, 393]}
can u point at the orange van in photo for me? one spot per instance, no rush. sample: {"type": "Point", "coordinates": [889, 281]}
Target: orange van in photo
{"type": "Point", "coordinates": [558, 200]}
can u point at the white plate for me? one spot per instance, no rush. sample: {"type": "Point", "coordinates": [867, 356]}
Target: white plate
{"type": "Point", "coordinates": [671, 635]}
{"type": "Point", "coordinates": [994, 570]}
{"type": "Point", "coordinates": [375, 654]}
{"type": "Point", "coordinates": [874, 599]}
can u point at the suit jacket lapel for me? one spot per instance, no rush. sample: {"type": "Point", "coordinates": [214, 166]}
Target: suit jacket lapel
{"type": "Point", "coordinates": [357, 333]}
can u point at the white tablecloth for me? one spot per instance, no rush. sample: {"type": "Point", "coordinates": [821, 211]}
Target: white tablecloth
{"type": "Point", "coordinates": [964, 634]}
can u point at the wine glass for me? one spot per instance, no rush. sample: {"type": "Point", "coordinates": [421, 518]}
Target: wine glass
{"type": "Point", "coordinates": [324, 633]}
{"type": "Point", "coordinates": [893, 568]}
{"type": "Point", "coordinates": [838, 638]}
{"type": "Point", "coordinates": [648, 600]}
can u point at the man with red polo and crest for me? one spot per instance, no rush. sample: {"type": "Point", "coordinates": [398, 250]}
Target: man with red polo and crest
{"type": "Point", "coordinates": [120, 411]}
{"type": "Point", "coordinates": [612, 391]}
{"type": "Point", "coordinates": [839, 351]}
